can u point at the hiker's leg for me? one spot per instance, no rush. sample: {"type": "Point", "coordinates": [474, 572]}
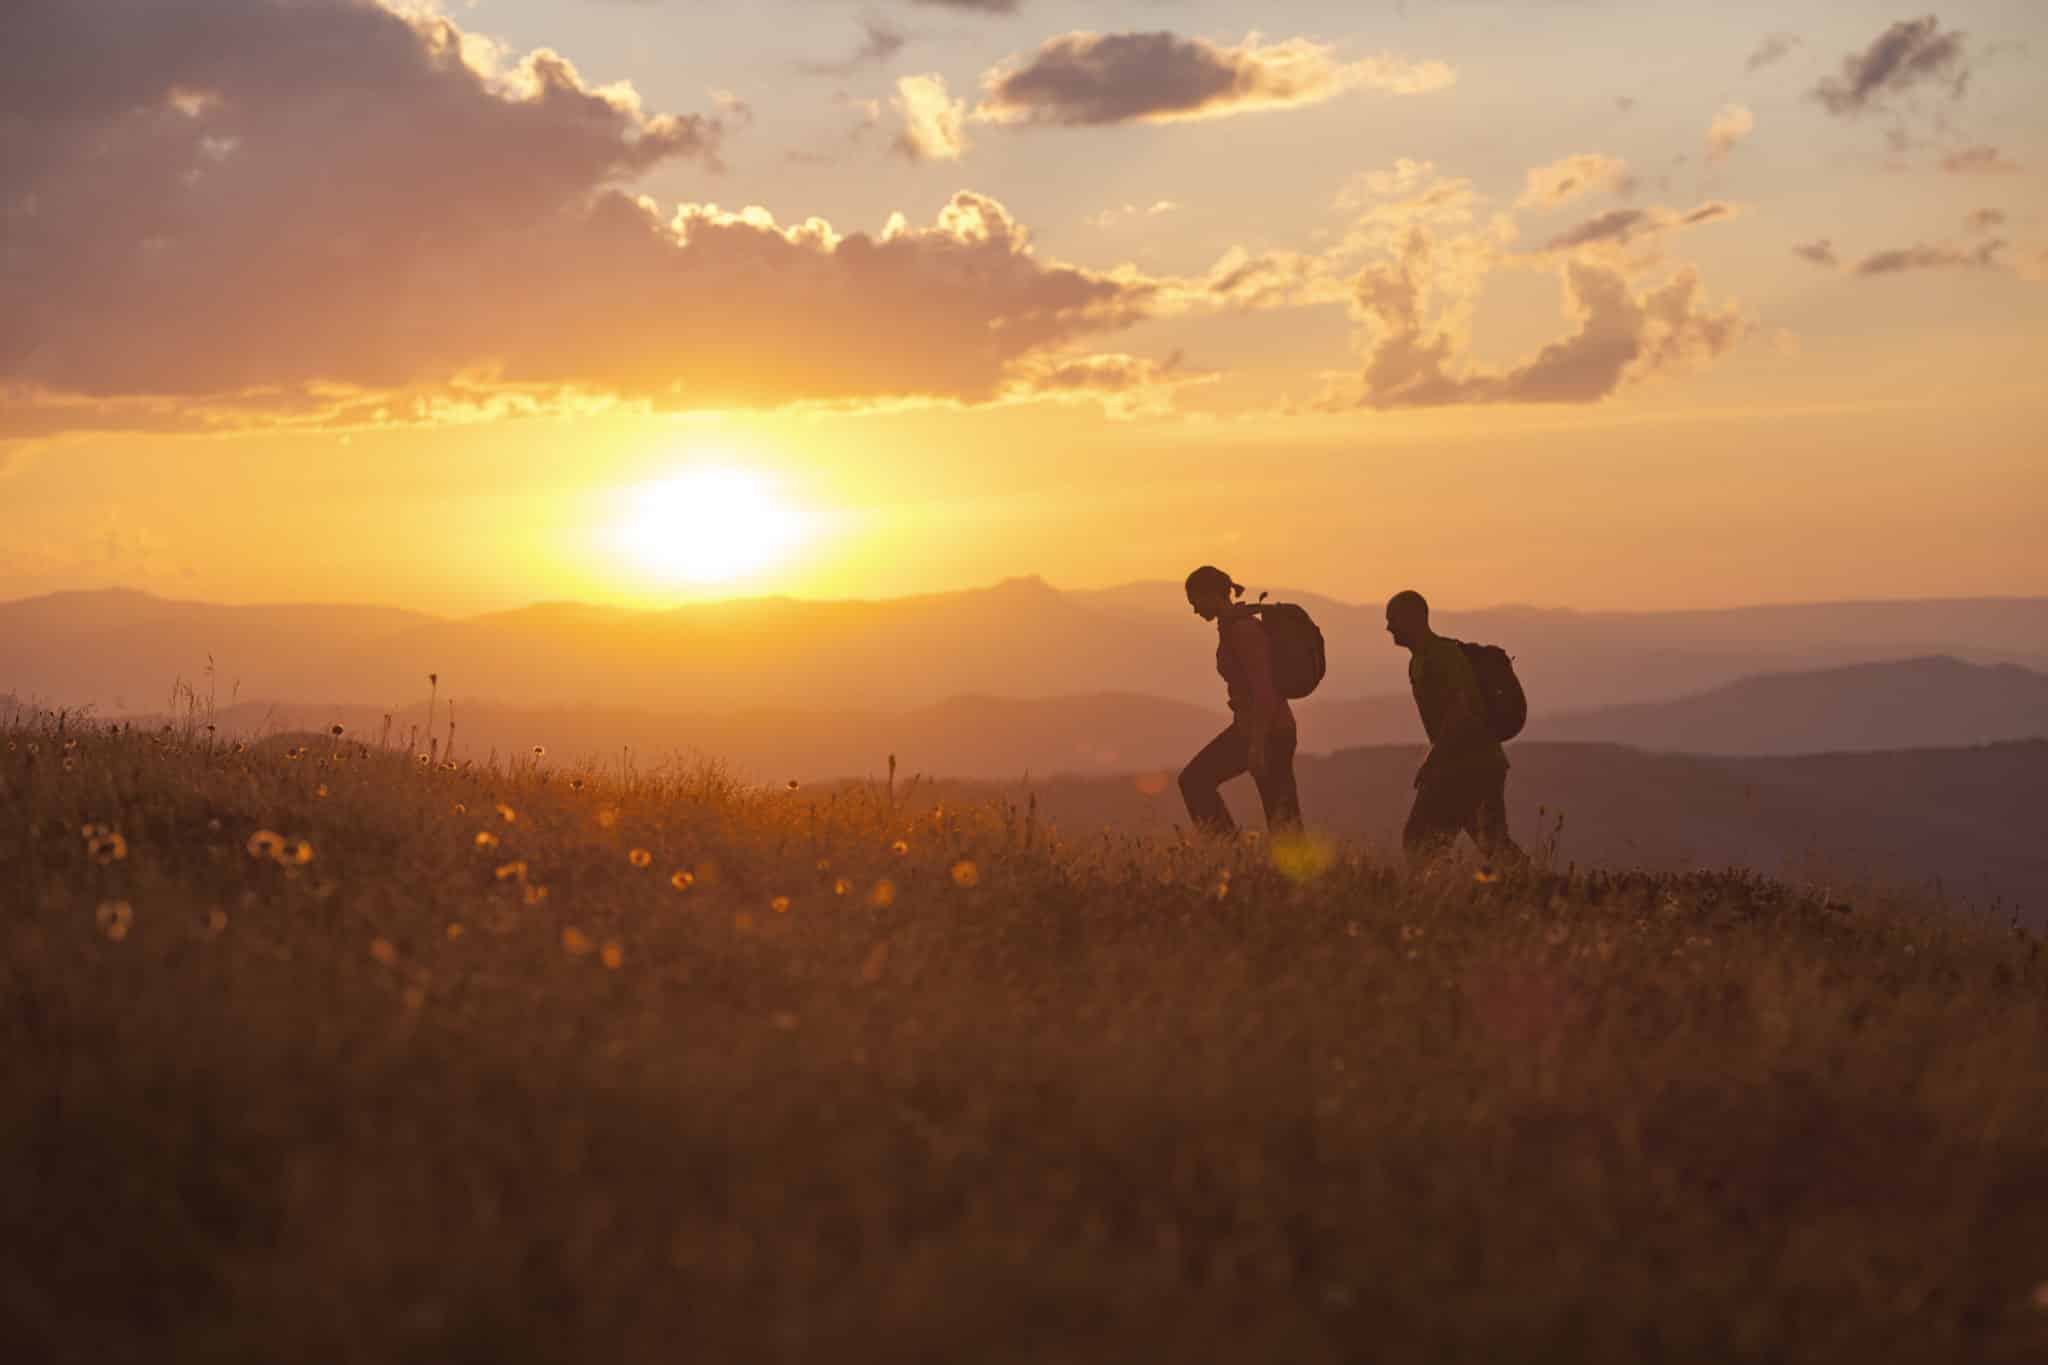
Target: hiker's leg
{"type": "Point", "coordinates": [1490, 822]}
{"type": "Point", "coordinates": [1220, 760]}
{"type": "Point", "coordinates": [1277, 792]}
{"type": "Point", "coordinates": [1433, 824]}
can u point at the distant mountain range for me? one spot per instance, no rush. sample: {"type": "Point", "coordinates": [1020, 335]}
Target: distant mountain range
{"type": "Point", "coordinates": [121, 651]}
{"type": "Point", "coordinates": [1912, 704]}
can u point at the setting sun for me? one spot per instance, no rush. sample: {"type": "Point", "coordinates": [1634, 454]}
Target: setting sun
{"type": "Point", "coordinates": [708, 524]}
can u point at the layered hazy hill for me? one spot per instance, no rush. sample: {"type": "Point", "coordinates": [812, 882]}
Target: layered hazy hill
{"type": "Point", "coordinates": [1912, 704]}
{"type": "Point", "coordinates": [1907, 704]}
{"type": "Point", "coordinates": [1018, 639]}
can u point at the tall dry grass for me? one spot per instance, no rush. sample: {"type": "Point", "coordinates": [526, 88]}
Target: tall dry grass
{"type": "Point", "coordinates": [335, 1057]}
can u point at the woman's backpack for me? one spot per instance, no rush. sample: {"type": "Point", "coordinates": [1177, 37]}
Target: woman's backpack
{"type": "Point", "coordinates": [1297, 645]}
{"type": "Point", "coordinates": [1507, 709]}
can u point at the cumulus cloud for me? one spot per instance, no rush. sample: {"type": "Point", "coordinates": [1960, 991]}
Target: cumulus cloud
{"type": "Point", "coordinates": [232, 212]}
{"type": "Point", "coordinates": [1565, 180]}
{"type": "Point", "coordinates": [1922, 256]}
{"type": "Point", "coordinates": [1910, 54]}
{"type": "Point", "coordinates": [1819, 251]}
{"type": "Point", "coordinates": [1978, 160]}
{"type": "Point", "coordinates": [1772, 50]}
{"type": "Point", "coordinates": [1078, 79]}
{"type": "Point", "coordinates": [934, 123]}
{"type": "Point", "coordinates": [1631, 319]}
{"type": "Point", "coordinates": [1619, 336]}
{"type": "Point", "coordinates": [1732, 124]}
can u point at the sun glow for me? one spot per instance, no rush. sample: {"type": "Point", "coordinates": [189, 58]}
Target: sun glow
{"type": "Point", "coordinates": [708, 524]}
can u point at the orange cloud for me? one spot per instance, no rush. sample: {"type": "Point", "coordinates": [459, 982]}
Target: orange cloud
{"type": "Point", "coordinates": [1079, 79]}
{"type": "Point", "coordinates": [238, 213]}
{"type": "Point", "coordinates": [934, 123]}
{"type": "Point", "coordinates": [1565, 180]}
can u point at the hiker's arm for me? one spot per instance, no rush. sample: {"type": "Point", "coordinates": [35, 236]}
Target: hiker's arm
{"type": "Point", "coordinates": [1248, 640]}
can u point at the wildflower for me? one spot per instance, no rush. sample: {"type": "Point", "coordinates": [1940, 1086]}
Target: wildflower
{"type": "Point", "coordinates": [107, 848]}
{"type": "Point", "coordinates": [69, 745]}
{"type": "Point", "coordinates": [70, 764]}
{"type": "Point", "coordinates": [1221, 890]}
{"type": "Point", "coordinates": [114, 917]}
{"type": "Point", "coordinates": [640, 857]}
{"type": "Point", "coordinates": [966, 874]}
{"type": "Point", "coordinates": [613, 956]}
{"type": "Point", "coordinates": [336, 730]}
{"type": "Point", "coordinates": [575, 942]}
{"type": "Point", "coordinates": [320, 792]}
{"type": "Point", "coordinates": [824, 864]}
{"type": "Point", "coordinates": [539, 752]}
{"type": "Point", "coordinates": [792, 784]}
{"type": "Point", "coordinates": [681, 880]}
{"type": "Point", "coordinates": [575, 784]}
{"type": "Point", "coordinates": [1302, 857]}
{"type": "Point", "coordinates": [383, 951]}
{"type": "Point", "coordinates": [461, 808]}
{"type": "Point", "coordinates": [508, 871]}
{"type": "Point", "coordinates": [607, 818]}
{"type": "Point", "coordinates": [296, 752]}
{"type": "Point", "coordinates": [486, 839]}
{"type": "Point", "coordinates": [780, 905]}
{"type": "Point", "coordinates": [899, 848]}
{"type": "Point", "coordinates": [506, 813]}
{"type": "Point", "coordinates": [265, 843]}
{"type": "Point", "coordinates": [841, 885]}
{"type": "Point", "coordinates": [536, 894]}
{"type": "Point", "coordinates": [1485, 876]}
{"type": "Point", "coordinates": [883, 895]}
{"type": "Point", "coordinates": [294, 853]}
{"type": "Point", "coordinates": [424, 759]}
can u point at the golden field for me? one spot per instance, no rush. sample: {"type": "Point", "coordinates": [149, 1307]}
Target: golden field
{"type": "Point", "coordinates": [317, 1052]}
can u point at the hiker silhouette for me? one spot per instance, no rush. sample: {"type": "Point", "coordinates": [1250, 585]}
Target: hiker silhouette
{"type": "Point", "coordinates": [1461, 786]}
{"type": "Point", "coordinates": [1261, 737]}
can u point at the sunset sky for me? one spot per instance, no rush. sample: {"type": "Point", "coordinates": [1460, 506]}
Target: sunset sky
{"type": "Point", "coordinates": [1569, 302]}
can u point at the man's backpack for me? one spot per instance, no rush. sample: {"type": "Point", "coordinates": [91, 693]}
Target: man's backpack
{"type": "Point", "coordinates": [1507, 710]}
{"type": "Point", "coordinates": [1297, 646]}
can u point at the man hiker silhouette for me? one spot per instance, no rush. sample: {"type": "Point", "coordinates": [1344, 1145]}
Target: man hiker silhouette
{"type": "Point", "coordinates": [1462, 784]}
{"type": "Point", "coordinates": [1261, 737]}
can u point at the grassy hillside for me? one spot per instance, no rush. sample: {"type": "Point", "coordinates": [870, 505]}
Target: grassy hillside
{"type": "Point", "coordinates": [1961, 825]}
{"type": "Point", "coordinates": [329, 1057]}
